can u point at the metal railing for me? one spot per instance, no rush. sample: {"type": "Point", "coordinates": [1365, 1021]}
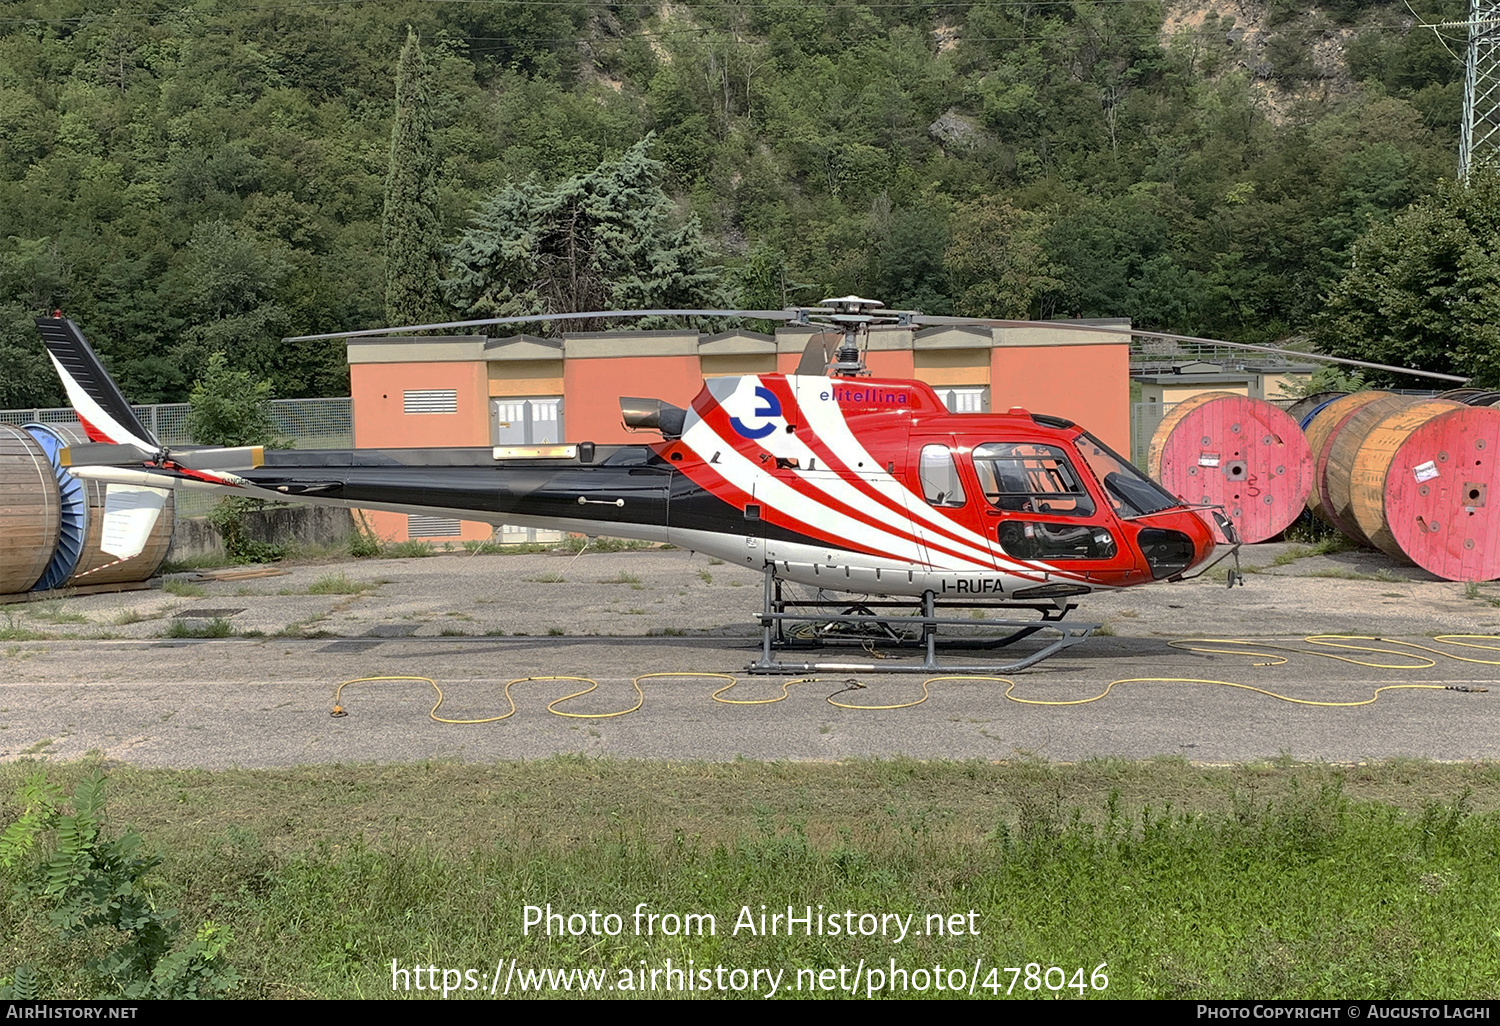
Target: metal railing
{"type": "Point", "coordinates": [306, 423]}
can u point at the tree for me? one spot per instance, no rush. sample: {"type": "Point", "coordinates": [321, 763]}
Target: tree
{"type": "Point", "coordinates": [228, 407]}
{"type": "Point", "coordinates": [1424, 291]}
{"type": "Point", "coordinates": [410, 225]}
{"type": "Point", "coordinates": [230, 279]}
{"type": "Point", "coordinates": [604, 240]}
{"type": "Point", "coordinates": [996, 261]}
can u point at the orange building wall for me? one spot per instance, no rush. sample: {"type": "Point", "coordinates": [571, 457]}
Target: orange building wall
{"type": "Point", "coordinates": [592, 388]}
{"type": "Point", "coordinates": [1089, 385]}
{"type": "Point", "coordinates": [890, 363]}
{"type": "Point", "coordinates": [391, 527]}
{"type": "Point", "coordinates": [379, 422]}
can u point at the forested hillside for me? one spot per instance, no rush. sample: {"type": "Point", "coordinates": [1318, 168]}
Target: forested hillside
{"type": "Point", "coordinates": [191, 176]}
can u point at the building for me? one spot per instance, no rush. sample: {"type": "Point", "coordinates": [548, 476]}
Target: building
{"type": "Point", "coordinates": [522, 390]}
{"type": "Point", "coordinates": [1175, 382]}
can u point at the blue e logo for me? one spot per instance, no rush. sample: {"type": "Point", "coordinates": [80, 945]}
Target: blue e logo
{"type": "Point", "coordinates": [769, 411]}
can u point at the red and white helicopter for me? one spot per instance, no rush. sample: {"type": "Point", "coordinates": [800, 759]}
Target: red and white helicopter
{"type": "Point", "coordinates": [827, 478]}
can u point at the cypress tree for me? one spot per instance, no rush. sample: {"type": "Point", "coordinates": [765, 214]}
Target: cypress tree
{"type": "Point", "coordinates": [410, 223]}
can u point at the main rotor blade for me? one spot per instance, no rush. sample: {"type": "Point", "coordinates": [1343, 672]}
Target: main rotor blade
{"type": "Point", "coordinates": [758, 315]}
{"type": "Point", "coordinates": [1167, 336]}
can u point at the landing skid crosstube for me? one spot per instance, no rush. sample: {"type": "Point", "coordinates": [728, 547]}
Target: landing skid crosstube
{"type": "Point", "coordinates": [860, 622]}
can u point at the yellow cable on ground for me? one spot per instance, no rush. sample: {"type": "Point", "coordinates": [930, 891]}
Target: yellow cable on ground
{"type": "Point", "coordinates": [1011, 687]}
{"type": "Point", "coordinates": [593, 685]}
{"type": "Point", "coordinates": [1335, 641]}
{"type": "Point", "coordinates": [1239, 647]}
{"type": "Point", "coordinates": [338, 710]}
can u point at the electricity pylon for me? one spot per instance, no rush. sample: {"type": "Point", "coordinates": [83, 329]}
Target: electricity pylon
{"type": "Point", "coordinates": [1480, 136]}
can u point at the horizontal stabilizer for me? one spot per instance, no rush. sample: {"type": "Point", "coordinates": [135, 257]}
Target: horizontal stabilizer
{"type": "Point", "coordinates": [239, 457]}
{"type": "Point", "coordinates": [102, 454]}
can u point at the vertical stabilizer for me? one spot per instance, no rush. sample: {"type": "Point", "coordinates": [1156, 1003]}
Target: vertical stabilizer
{"type": "Point", "coordinates": [98, 401]}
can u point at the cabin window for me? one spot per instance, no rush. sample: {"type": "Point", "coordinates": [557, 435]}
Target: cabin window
{"type": "Point", "coordinates": [940, 483]}
{"type": "Point", "coordinates": [1031, 478]}
{"type": "Point", "coordinates": [1025, 539]}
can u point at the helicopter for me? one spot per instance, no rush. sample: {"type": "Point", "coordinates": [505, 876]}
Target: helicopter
{"type": "Point", "coordinates": [827, 478]}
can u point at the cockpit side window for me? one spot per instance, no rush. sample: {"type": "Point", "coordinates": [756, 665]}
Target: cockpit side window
{"type": "Point", "coordinates": [940, 482]}
{"type": "Point", "coordinates": [1026, 477]}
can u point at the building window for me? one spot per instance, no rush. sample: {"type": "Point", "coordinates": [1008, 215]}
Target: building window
{"type": "Point", "coordinates": [966, 400]}
{"type": "Point", "coordinates": [430, 400]}
{"type": "Point", "coordinates": [537, 421]}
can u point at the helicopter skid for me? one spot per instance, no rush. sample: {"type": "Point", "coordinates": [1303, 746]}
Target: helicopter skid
{"type": "Point", "coordinates": [903, 631]}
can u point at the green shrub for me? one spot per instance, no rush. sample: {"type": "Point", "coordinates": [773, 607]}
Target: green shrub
{"type": "Point", "coordinates": [87, 883]}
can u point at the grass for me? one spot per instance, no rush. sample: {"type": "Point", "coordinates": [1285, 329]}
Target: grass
{"type": "Point", "coordinates": [407, 550]}
{"type": "Point", "coordinates": [14, 630]}
{"type": "Point", "coordinates": [1355, 575]}
{"type": "Point", "coordinates": [1272, 881]}
{"type": "Point", "coordinates": [126, 617]}
{"type": "Point", "coordinates": [54, 611]}
{"type": "Point", "coordinates": [338, 584]}
{"type": "Point", "coordinates": [218, 627]}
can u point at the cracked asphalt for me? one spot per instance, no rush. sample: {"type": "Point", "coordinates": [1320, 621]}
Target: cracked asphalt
{"type": "Point", "coordinates": [104, 674]}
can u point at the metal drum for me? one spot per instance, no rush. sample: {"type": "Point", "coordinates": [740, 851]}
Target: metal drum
{"type": "Point", "coordinates": [1305, 409]}
{"type": "Point", "coordinates": [1244, 454]}
{"type": "Point", "coordinates": [73, 519]}
{"type": "Point", "coordinates": [1435, 492]}
{"type": "Point", "coordinates": [29, 510]}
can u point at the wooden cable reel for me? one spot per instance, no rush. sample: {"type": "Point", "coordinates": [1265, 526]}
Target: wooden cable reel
{"type": "Point", "coordinates": [1224, 449]}
{"type": "Point", "coordinates": [1336, 461]}
{"type": "Point", "coordinates": [90, 563]}
{"type": "Point", "coordinates": [1319, 429]}
{"type": "Point", "coordinates": [1433, 491]}
{"type": "Point", "coordinates": [29, 510]}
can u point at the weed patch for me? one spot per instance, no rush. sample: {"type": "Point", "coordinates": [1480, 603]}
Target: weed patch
{"type": "Point", "coordinates": [218, 627]}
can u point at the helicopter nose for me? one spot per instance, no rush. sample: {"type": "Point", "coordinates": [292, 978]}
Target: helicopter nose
{"type": "Point", "coordinates": [1175, 544]}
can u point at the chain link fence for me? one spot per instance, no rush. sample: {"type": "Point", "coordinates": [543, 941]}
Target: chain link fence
{"type": "Point", "coordinates": [306, 423]}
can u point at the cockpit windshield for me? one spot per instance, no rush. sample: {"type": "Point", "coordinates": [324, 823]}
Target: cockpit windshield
{"type": "Point", "coordinates": [1131, 493]}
